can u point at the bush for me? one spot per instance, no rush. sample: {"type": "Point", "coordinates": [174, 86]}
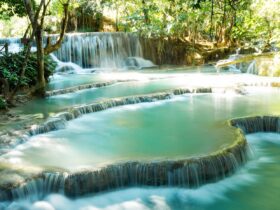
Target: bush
{"type": "Point", "coordinates": [11, 65]}
{"type": "Point", "coordinates": [3, 104]}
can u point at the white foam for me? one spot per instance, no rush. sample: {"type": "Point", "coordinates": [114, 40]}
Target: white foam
{"type": "Point", "coordinates": [152, 198]}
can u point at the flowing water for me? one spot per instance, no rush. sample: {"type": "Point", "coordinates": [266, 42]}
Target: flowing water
{"type": "Point", "coordinates": [157, 130]}
{"type": "Point", "coordinates": [103, 50]}
{"type": "Point", "coordinates": [256, 186]}
{"type": "Point", "coordinates": [181, 126]}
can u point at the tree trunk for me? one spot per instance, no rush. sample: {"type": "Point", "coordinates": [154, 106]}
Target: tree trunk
{"type": "Point", "coordinates": [41, 83]}
{"type": "Point", "coordinates": [5, 89]}
{"type": "Point", "coordinates": [53, 47]}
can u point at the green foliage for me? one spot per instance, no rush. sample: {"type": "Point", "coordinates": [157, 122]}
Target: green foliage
{"type": "Point", "coordinates": [11, 65]}
{"type": "Point", "coordinates": [3, 104]}
{"type": "Point", "coordinates": [9, 8]}
{"type": "Point", "coordinates": [222, 21]}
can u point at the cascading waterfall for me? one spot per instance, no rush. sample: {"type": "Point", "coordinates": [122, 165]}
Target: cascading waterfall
{"type": "Point", "coordinates": [252, 69]}
{"type": "Point", "coordinates": [258, 124]}
{"type": "Point", "coordinates": [94, 50]}
{"type": "Point", "coordinates": [103, 50]}
{"type": "Point", "coordinates": [188, 173]}
{"type": "Point", "coordinates": [14, 44]}
{"type": "Point", "coordinates": [36, 188]}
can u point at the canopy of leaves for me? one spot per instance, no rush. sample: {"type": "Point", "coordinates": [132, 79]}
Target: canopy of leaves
{"type": "Point", "coordinates": [9, 8]}
{"type": "Point", "coordinates": [222, 21]}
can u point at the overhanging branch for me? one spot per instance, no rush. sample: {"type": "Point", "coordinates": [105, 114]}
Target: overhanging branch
{"type": "Point", "coordinates": [53, 47]}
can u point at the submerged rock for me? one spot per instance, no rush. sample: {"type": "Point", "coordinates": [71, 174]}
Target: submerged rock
{"type": "Point", "coordinates": [138, 63]}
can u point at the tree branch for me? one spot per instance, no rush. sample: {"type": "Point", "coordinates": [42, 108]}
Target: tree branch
{"type": "Point", "coordinates": [51, 48]}
{"type": "Point", "coordinates": [30, 11]}
{"type": "Point", "coordinates": [45, 7]}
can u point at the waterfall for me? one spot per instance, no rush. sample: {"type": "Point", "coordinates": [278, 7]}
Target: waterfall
{"type": "Point", "coordinates": [188, 173]}
{"type": "Point", "coordinates": [37, 187]}
{"type": "Point", "coordinates": [258, 124]}
{"type": "Point", "coordinates": [14, 44]}
{"type": "Point", "coordinates": [252, 68]}
{"type": "Point", "coordinates": [102, 50]}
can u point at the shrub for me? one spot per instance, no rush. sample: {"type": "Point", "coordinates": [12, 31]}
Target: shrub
{"type": "Point", "coordinates": [11, 65]}
{"type": "Point", "coordinates": [3, 104]}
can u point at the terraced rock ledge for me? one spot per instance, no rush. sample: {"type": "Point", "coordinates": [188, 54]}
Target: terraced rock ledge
{"type": "Point", "coordinates": [13, 138]}
{"type": "Point", "coordinates": [84, 87]}
{"type": "Point", "coordinates": [189, 173]}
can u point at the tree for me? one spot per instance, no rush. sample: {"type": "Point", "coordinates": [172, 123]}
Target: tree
{"type": "Point", "coordinates": [36, 15]}
{"type": "Point", "coordinates": [9, 8]}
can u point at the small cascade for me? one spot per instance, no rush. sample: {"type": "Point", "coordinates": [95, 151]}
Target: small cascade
{"type": "Point", "coordinates": [252, 69]}
{"type": "Point", "coordinates": [189, 173]}
{"type": "Point", "coordinates": [50, 125]}
{"type": "Point", "coordinates": [36, 188]}
{"type": "Point", "coordinates": [66, 67]}
{"type": "Point", "coordinates": [258, 124]}
{"type": "Point", "coordinates": [101, 50]}
{"type": "Point", "coordinates": [83, 87]}
{"type": "Point", "coordinates": [236, 68]}
{"type": "Point", "coordinates": [138, 63]}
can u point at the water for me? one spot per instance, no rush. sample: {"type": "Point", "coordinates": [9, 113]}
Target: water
{"type": "Point", "coordinates": [103, 50]}
{"type": "Point", "coordinates": [106, 138]}
{"type": "Point", "coordinates": [144, 85]}
{"type": "Point", "coordinates": [158, 130]}
{"type": "Point", "coordinates": [252, 68]}
{"type": "Point", "coordinates": [174, 129]}
{"type": "Point", "coordinates": [255, 186]}
{"type": "Point", "coordinates": [86, 52]}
